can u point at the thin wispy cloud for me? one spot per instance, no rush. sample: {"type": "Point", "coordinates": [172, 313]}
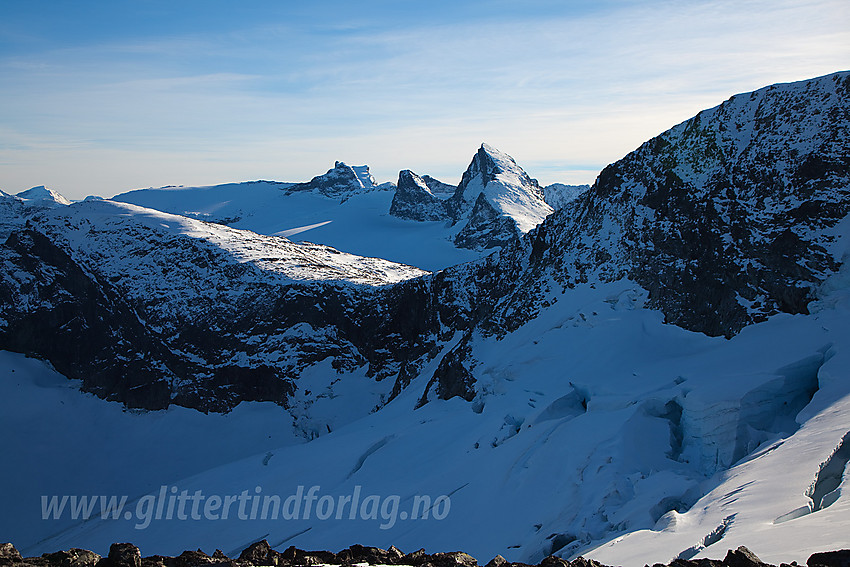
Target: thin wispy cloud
{"type": "Point", "coordinates": [564, 91]}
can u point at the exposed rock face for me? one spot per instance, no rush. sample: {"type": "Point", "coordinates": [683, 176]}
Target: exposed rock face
{"type": "Point", "coordinates": [453, 376]}
{"type": "Point", "coordinates": [830, 559]}
{"type": "Point", "coordinates": [742, 557]}
{"type": "Point", "coordinates": [486, 227]}
{"type": "Point", "coordinates": [75, 558]}
{"type": "Point", "coordinates": [49, 306]}
{"type": "Point", "coordinates": [259, 553]}
{"type": "Point", "coordinates": [152, 317]}
{"type": "Point", "coordinates": [8, 553]}
{"type": "Point", "coordinates": [725, 219]}
{"type": "Point", "coordinates": [414, 200]}
{"type": "Point", "coordinates": [341, 182]}
{"type": "Point", "coordinates": [124, 555]}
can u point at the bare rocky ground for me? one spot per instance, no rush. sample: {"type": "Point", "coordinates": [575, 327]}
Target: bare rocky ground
{"type": "Point", "coordinates": [261, 554]}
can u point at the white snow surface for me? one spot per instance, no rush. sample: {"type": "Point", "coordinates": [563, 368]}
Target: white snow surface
{"type": "Point", "coordinates": [124, 241]}
{"type": "Point", "coordinates": [359, 225]}
{"type": "Point", "coordinates": [16, 209]}
{"type": "Point", "coordinates": [570, 443]}
{"type": "Point", "coordinates": [43, 194]}
{"type": "Point", "coordinates": [510, 192]}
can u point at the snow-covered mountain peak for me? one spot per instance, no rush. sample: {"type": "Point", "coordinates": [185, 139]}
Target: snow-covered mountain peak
{"type": "Point", "coordinates": [489, 165]}
{"type": "Point", "coordinates": [498, 200]}
{"type": "Point", "coordinates": [343, 181]}
{"type": "Point", "coordinates": [43, 195]}
{"type": "Point", "coordinates": [16, 209]}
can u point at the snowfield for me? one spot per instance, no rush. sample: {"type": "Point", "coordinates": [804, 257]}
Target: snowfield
{"type": "Point", "coordinates": [84, 226]}
{"type": "Point", "coordinates": [359, 225]}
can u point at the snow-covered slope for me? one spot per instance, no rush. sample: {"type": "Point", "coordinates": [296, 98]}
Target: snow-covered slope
{"type": "Point", "coordinates": [421, 221]}
{"type": "Point", "coordinates": [558, 195]}
{"type": "Point", "coordinates": [114, 233]}
{"type": "Point", "coordinates": [158, 308]}
{"type": "Point", "coordinates": [16, 209]}
{"type": "Point", "coordinates": [43, 196]}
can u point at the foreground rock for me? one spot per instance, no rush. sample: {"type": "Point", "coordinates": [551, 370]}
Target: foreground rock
{"type": "Point", "coordinates": [262, 554]}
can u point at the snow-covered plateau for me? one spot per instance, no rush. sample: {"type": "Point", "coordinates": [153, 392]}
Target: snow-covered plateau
{"type": "Point", "coordinates": [658, 369]}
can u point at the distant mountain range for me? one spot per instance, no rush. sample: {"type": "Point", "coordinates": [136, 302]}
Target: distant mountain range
{"type": "Point", "coordinates": [634, 372]}
{"type": "Point", "coordinates": [345, 208]}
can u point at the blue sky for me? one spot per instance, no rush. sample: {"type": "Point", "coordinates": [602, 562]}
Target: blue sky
{"type": "Point", "coordinates": [102, 97]}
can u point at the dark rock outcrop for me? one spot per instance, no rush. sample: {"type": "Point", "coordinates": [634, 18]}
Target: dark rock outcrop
{"type": "Point", "coordinates": [742, 557]}
{"type": "Point", "coordinates": [262, 554]}
{"type": "Point", "coordinates": [8, 554]}
{"type": "Point", "coordinates": [123, 555]}
{"type": "Point", "coordinates": [75, 558]}
{"type": "Point", "coordinates": [839, 558]}
{"type": "Point", "coordinates": [413, 200]}
{"type": "Point", "coordinates": [371, 555]}
{"type": "Point", "coordinates": [341, 182]}
{"type": "Point", "coordinates": [259, 553]}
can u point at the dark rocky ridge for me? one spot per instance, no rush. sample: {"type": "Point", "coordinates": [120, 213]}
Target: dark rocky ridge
{"type": "Point", "coordinates": [132, 350]}
{"type": "Point", "coordinates": [736, 202]}
{"type": "Point", "coordinates": [261, 554]}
